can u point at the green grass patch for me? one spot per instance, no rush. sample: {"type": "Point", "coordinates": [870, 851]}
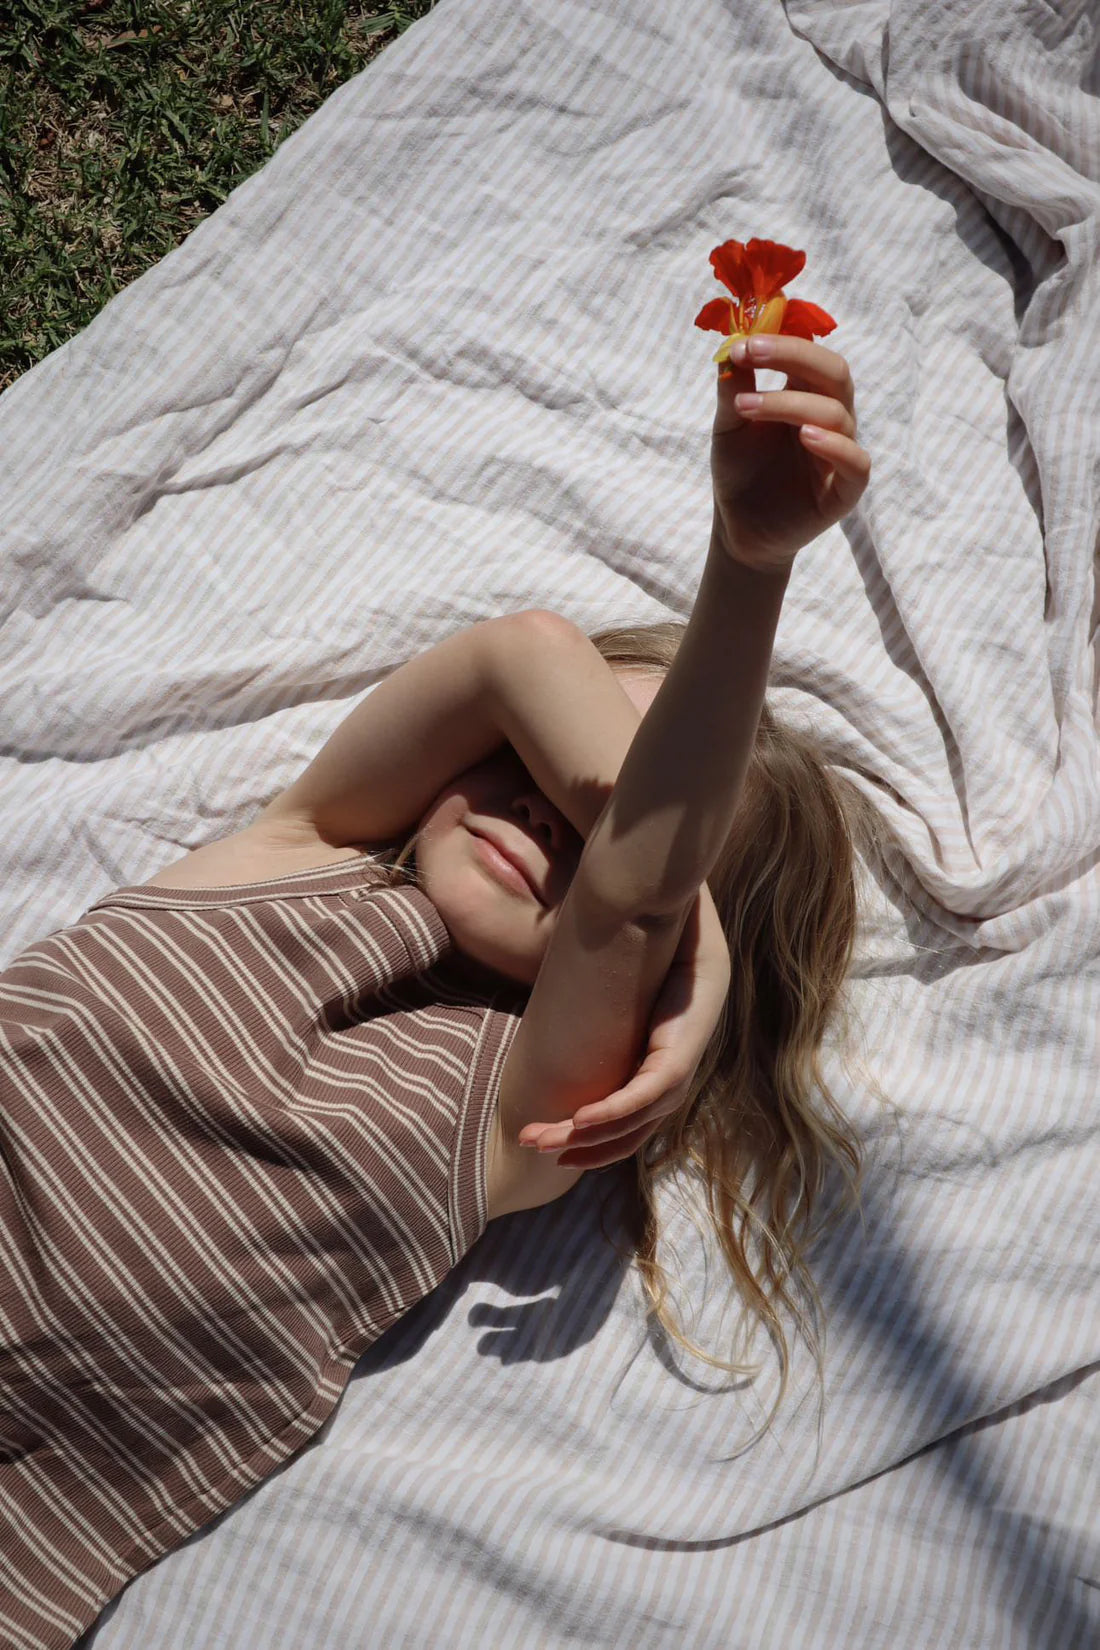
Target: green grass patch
{"type": "Point", "coordinates": [124, 123]}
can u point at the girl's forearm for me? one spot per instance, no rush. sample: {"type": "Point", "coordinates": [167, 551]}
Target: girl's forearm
{"type": "Point", "coordinates": [676, 795]}
{"type": "Point", "coordinates": [559, 705]}
{"type": "Point", "coordinates": [396, 749]}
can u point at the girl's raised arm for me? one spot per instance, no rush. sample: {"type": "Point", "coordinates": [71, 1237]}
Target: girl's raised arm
{"type": "Point", "coordinates": [779, 480]}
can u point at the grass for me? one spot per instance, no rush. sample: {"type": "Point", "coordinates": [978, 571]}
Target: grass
{"type": "Point", "coordinates": [124, 123]}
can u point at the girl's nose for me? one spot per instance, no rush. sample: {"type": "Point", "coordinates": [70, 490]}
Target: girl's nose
{"type": "Point", "coordinates": [543, 819]}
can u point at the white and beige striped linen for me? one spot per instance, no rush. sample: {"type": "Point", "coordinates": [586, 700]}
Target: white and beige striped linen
{"type": "Point", "coordinates": [436, 362]}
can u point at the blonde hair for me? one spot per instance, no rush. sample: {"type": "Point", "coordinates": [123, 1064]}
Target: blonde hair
{"type": "Point", "coordinates": [759, 1124]}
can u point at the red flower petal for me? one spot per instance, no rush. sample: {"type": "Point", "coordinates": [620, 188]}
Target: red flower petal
{"type": "Point", "coordinates": [715, 316]}
{"type": "Point", "coordinates": [756, 270]}
{"type": "Point", "coordinates": [803, 320]}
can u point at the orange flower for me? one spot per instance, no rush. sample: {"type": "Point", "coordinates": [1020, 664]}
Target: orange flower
{"type": "Point", "coordinates": [756, 274]}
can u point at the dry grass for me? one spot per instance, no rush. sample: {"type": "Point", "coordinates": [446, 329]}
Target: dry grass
{"type": "Point", "coordinates": [124, 123]}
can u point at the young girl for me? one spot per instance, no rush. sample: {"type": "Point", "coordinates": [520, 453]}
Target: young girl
{"type": "Point", "coordinates": [257, 1107]}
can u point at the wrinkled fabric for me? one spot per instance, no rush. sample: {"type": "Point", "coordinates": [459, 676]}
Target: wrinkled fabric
{"type": "Point", "coordinates": [435, 362]}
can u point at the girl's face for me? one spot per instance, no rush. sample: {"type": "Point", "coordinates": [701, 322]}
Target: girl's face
{"type": "Point", "coordinates": [496, 920]}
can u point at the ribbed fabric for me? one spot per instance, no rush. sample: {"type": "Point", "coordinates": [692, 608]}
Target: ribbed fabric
{"type": "Point", "coordinates": [243, 1132]}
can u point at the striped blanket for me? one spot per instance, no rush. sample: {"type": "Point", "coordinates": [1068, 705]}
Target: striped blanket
{"type": "Point", "coordinates": [435, 362]}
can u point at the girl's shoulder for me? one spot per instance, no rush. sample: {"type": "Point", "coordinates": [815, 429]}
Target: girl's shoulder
{"type": "Point", "coordinates": [265, 851]}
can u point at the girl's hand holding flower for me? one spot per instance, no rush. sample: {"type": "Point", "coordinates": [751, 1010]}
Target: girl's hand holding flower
{"type": "Point", "coordinates": [785, 464]}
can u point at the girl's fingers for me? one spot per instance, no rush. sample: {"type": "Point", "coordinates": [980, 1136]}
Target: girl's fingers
{"type": "Point", "coordinates": [796, 407]}
{"type": "Point", "coordinates": [553, 1137]}
{"type": "Point", "coordinates": [838, 451]}
{"type": "Point", "coordinates": [649, 1096]}
{"type": "Point", "coordinates": [596, 1148]}
{"type": "Point", "coordinates": [648, 1115]}
{"type": "Point", "coordinates": [808, 366]}
{"type": "Point", "coordinates": [614, 1151]}
{"type": "Point", "coordinates": [657, 1086]}
{"type": "Point", "coordinates": [845, 471]}
{"type": "Point", "coordinates": [644, 1087]}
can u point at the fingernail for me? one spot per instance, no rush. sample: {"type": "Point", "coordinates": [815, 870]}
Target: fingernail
{"type": "Point", "coordinates": [762, 347]}
{"type": "Point", "coordinates": [746, 403]}
{"type": "Point", "coordinates": [738, 352]}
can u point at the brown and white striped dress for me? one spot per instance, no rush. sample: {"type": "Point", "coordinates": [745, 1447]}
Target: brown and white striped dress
{"type": "Point", "coordinates": [242, 1131]}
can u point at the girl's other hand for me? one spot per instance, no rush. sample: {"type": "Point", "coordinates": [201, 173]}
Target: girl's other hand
{"type": "Point", "coordinates": [777, 484]}
{"type": "Point", "coordinates": [685, 1015]}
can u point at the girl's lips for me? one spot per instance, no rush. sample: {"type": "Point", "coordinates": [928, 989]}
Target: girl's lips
{"type": "Point", "coordinates": [507, 868]}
